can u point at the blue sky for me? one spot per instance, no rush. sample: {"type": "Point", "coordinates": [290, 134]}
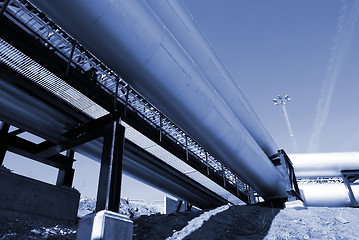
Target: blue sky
{"type": "Point", "coordinates": [288, 47]}
{"type": "Point", "coordinates": [270, 48]}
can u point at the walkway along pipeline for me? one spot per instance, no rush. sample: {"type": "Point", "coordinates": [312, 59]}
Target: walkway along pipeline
{"type": "Point", "coordinates": [129, 37]}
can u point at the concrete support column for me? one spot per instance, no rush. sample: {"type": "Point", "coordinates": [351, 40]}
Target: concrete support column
{"type": "Point", "coordinates": [109, 188]}
{"type": "Point", "coordinates": [107, 223]}
{"type": "Point", "coordinates": [4, 129]}
{"type": "Point", "coordinates": [65, 176]}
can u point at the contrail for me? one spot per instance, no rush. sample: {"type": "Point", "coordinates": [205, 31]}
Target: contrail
{"type": "Point", "coordinates": [345, 27]}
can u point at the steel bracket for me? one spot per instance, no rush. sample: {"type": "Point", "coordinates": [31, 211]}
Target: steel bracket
{"type": "Point", "coordinates": [285, 166]}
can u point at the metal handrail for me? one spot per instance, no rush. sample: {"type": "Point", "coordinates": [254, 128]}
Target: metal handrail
{"type": "Point", "coordinates": [320, 180]}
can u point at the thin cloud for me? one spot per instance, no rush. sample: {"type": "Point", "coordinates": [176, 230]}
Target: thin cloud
{"type": "Point", "coordinates": [345, 27]}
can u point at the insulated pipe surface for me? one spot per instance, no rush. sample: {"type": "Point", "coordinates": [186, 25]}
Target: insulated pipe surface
{"type": "Point", "coordinates": [328, 195]}
{"type": "Point", "coordinates": [21, 109]}
{"type": "Point", "coordinates": [176, 18]}
{"type": "Point", "coordinates": [130, 38]}
{"type": "Point", "coordinates": [324, 164]}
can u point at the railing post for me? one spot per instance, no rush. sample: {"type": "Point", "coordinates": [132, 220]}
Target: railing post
{"type": "Point", "coordinates": [186, 148]}
{"type": "Point", "coordinates": [116, 94]}
{"type": "Point", "coordinates": [207, 163]}
{"type": "Point", "coordinates": [223, 175]}
{"type": "Point", "coordinates": [161, 126]}
{"type": "Point", "coordinates": [237, 186]}
{"type": "Point", "coordinates": [127, 96]}
{"type": "Point", "coordinates": [70, 59]}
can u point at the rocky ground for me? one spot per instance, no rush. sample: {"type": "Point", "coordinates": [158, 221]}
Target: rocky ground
{"type": "Point", "coordinates": [26, 228]}
{"type": "Point", "coordinates": [238, 222]}
{"type": "Point", "coordinates": [316, 223]}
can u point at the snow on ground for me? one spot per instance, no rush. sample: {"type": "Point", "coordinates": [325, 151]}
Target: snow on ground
{"type": "Point", "coordinates": [196, 223]}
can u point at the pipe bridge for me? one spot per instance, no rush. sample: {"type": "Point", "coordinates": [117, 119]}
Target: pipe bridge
{"type": "Point", "coordinates": [131, 86]}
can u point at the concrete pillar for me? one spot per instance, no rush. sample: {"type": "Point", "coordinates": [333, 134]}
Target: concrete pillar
{"type": "Point", "coordinates": [105, 225]}
{"type": "Point", "coordinates": [4, 129]}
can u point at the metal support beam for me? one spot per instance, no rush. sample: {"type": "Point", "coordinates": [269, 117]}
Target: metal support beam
{"type": "Point", "coordinates": [109, 188]}
{"type": "Point", "coordinates": [28, 149]}
{"type": "Point", "coordinates": [285, 166]}
{"type": "Point", "coordinates": [16, 132]}
{"type": "Point", "coordinates": [77, 136]}
{"type": "Point", "coordinates": [4, 6]}
{"type": "Point", "coordinates": [350, 176]}
{"type": "Point", "coordinates": [252, 198]}
{"type": "Point", "coordinates": [65, 176]}
{"type": "Point", "coordinates": [188, 207]}
{"type": "Point", "coordinates": [4, 129]}
{"type": "Point", "coordinates": [178, 205]}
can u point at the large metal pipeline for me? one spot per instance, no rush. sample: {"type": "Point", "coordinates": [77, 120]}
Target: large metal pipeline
{"type": "Point", "coordinates": [324, 164]}
{"type": "Point", "coordinates": [319, 165]}
{"type": "Point", "coordinates": [328, 195]}
{"type": "Point", "coordinates": [178, 21]}
{"type": "Point", "coordinates": [21, 109]}
{"type": "Point", "coordinates": [130, 38]}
